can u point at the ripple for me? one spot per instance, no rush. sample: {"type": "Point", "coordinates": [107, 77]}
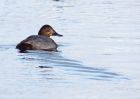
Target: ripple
{"type": "Point", "coordinates": [63, 67]}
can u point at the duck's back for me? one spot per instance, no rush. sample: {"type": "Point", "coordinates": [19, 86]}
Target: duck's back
{"type": "Point", "coordinates": [37, 42]}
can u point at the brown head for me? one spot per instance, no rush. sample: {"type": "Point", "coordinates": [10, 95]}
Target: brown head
{"type": "Point", "coordinates": [48, 31]}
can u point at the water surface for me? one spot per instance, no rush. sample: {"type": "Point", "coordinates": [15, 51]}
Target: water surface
{"type": "Point", "coordinates": [98, 55]}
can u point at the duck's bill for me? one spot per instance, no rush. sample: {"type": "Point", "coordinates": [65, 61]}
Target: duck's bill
{"type": "Point", "coordinates": [56, 34]}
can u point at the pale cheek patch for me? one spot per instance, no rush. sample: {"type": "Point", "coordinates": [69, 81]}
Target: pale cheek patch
{"type": "Point", "coordinates": [50, 34]}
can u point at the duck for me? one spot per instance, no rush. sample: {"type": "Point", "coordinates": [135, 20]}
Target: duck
{"type": "Point", "coordinates": [42, 41]}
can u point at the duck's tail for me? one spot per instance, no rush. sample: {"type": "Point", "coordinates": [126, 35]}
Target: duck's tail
{"type": "Point", "coordinates": [24, 46]}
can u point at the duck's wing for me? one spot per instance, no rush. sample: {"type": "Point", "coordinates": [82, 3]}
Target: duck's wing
{"type": "Point", "coordinates": [37, 42]}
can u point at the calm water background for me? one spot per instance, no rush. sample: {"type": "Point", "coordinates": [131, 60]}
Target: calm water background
{"type": "Point", "coordinates": [98, 58]}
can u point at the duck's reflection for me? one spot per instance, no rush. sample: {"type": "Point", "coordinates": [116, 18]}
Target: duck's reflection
{"type": "Point", "coordinates": [53, 65]}
{"type": "Point", "coordinates": [56, 0]}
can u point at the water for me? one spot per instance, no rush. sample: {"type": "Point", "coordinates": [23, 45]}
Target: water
{"type": "Point", "coordinates": [98, 55]}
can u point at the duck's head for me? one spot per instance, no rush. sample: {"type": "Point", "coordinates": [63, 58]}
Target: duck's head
{"type": "Point", "coordinates": [48, 31]}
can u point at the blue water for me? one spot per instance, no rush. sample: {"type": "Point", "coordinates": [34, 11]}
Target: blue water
{"type": "Point", "coordinates": [98, 57]}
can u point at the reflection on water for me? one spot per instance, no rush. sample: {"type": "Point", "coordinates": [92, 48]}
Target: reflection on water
{"type": "Point", "coordinates": [56, 0]}
{"type": "Point", "coordinates": [68, 67]}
